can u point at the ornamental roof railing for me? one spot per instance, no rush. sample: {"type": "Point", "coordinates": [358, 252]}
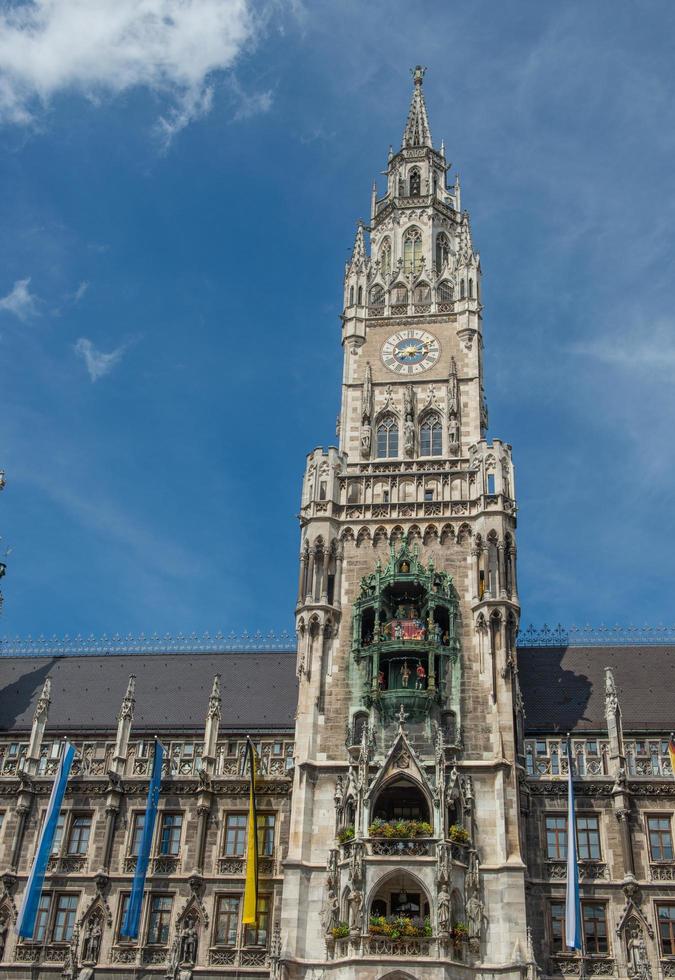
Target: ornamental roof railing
{"type": "Point", "coordinates": [94, 646]}
{"type": "Point", "coordinates": [591, 636]}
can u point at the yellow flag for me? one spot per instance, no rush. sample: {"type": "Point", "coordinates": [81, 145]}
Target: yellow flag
{"type": "Point", "coordinates": [671, 752]}
{"type": "Point", "coordinates": [250, 916]}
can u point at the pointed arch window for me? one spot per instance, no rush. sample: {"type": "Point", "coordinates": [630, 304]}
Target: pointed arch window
{"type": "Point", "coordinates": [387, 437]}
{"type": "Point", "coordinates": [445, 292]}
{"type": "Point", "coordinates": [385, 257]}
{"type": "Point", "coordinates": [351, 295]}
{"type": "Point", "coordinates": [461, 289]}
{"type": "Point", "coordinates": [399, 296]}
{"type": "Point", "coordinates": [376, 298]}
{"type": "Point", "coordinates": [412, 250]}
{"type": "Point", "coordinates": [422, 293]}
{"type": "Point", "coordinates": [442, 250]}
{"type": "Point", "coordinates": [360, 296]}
{"type": "Point", "coordinates": [431, 436]}
{"type": "Point", "coordinates": [470, 288]}
{"type": "Point", "coordinates": [415, 182]}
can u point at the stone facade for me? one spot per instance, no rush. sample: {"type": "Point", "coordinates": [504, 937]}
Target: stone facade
{"type": "Point", "coordinates": [413, 780]}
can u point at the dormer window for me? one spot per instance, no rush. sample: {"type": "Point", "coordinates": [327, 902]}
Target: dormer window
{"type": "Point", "coordinates": [412, 250]}
{"type": "Point", "coordinates": [415, 182]}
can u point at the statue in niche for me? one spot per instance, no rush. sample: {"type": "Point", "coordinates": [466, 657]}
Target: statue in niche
{"type": "Point", "coordinates": [474, 916]}
{"type": "Point", "coordinates": [366, 440]}
{"type": "Point", "coordinates": [188, 943]}
{"type": "Point", "coordinates": [453, 434]}
{"type": "Point", "coordinates": [355, 905]}
{"type": "Point", "coordinates": [638, 960]}
{"type": "Point", "coordinates": [331, 915]}
{"type": "Point", "coordinates": [444, 913]}
{"type": "Point", "coordinates": [4, 928]}
{"type": "Point", "coordinates": [409, 437]}
{"type": "Point", "coordinates": [91, 944]}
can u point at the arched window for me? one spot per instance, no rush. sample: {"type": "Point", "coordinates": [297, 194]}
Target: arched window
{"type": "Point", "coordinates": [415, 182]}
{"type": "Point", "coordinates": [442, 250]}
{"type": "Point", "coordinates": [445, 292]}
{"type": "Point", "coordinates": [412, 250]}
{"type": "Point", "coordinates": [461, 289]}
{"type": "Point", "coordinates": [422, 293]}
{"type": "Point", "coordinates": [385, 257]}
{"type": "Point", "coordinates": [387, 437]}
{"type": "Point", "coordinates": [431, 436]}
{"type": "Point", "coordinates": [360, 295]}
{"type": "Point", "coordinates": [351, 295]}
{"type": "Point", "coordinates": [376, 296]}
{"type": "Point", "coordinates": [470, 288]}
{"type": "Point", "coordinates": [399, 296]}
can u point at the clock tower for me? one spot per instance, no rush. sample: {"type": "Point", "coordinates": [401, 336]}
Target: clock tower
{"type": "Point", "coordinates": [405, 843]}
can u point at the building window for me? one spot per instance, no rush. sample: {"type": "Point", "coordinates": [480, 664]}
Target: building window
{"type": "Point", "coordinates": [58, 833]}
{"type": "Point", "coordinates": [80, 830]}
{"type": "Point", "coordinates": [461, 289]}
{"type": "Point", "coordinates": [490, 483]}
{"type": "Point", "coordinates": [376, 298]}
{"type": "Point", "coordinates": [385, 257]}
{"type": "Point", "coordinates": [399, 296]}
{"type": "Point", "coordinates": [169, 841]}
{"type": "Point", "coordinates": [442, 254]}
{"type": "Point", "coordinates": [667, 929]}
{"type": "Point", "coordinates": [387, 438]}
{"type": "Point", "coordinates": [266, 822]}
{"type": "Point", "coordinates": [160, 919]}
{"type": "Point", "coordinates": [235, 834]}
{"type": "Point", "coordinates": [412, 251]}
{"type": "Point", "coordinates": [257, 935]}
{"type": "Point", "coordinates": [227, 920]}
{"type": "Point", "coordinates": [431, 436]}
{"type": "Point", "coordinates": [660, 838]}
{"type": "Point", "coordinates": [557, 924]}
{"type": "Point", "coordinates": [422, 293]}
{"type": "Point", "coordinates": [415, 183]}
{"type": "Point", "coordinates": [137, 829]}
{"type": "Point", "coordinates": [64, 918]}
{"type": "Point", "coordinates": [360, 296]}
{"type": "Point", "coordinates": [42, 918]}
{"type": "Point", "coordinates": [445, 293]}
{"type": "Point", "coordinates": [124, 905]}
{"type": "Point", "coordinates": [588, 839]}
{"type": "Point", "coordinates": [556, 838]}
{"type": "Point", "coordinates": [594, 916]}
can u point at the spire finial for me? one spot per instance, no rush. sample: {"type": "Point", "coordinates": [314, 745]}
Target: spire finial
{"type": "Point", "coordinates": [418, 74]}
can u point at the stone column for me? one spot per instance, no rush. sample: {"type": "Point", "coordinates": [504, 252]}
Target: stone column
{"type": "Point", "coordinates": [623, 816]}
{"type": "Point", "coordinates": [323, 589]}
{"type": "Point", "coordinates": [111, 811]}
{"type": "Point", "coordinates": [475, 573]}
{"type": "Point", "coordinates": [309, 588]}
{"type": "Point", "coordinates": [337, 584]}
{"type": "Point", "coordinates": [203, 812]}
{"type": "Point", "coordinates": [501, 571]}
{"type": "Point", "coordinates": [301, 580]}
{"type": "Point", "coordinates": [514, 580]}
{"type": "Point", "coordinates": [22, 810]}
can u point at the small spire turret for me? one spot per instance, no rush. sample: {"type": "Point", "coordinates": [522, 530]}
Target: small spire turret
{"type": "Point", "coordinates": [417, 131]}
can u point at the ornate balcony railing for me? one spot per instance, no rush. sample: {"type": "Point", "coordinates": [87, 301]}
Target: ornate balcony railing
{"type": "Point", "coordinates": [583, 966]}
{"type": "Point", "coordinates": [403, 847]}
{"type": "Point", "coordinates": [588, 870]}
{"type": "Point", "coordinates": [66, 864]}
{"type": "Point", "coordinates": [662, 872]}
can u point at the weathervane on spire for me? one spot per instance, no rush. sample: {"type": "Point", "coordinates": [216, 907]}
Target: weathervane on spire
{"type": "Point", "coordinates": [418, 74]}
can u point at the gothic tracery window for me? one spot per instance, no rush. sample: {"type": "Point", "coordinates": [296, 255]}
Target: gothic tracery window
{"type": "Point", "coordinates": [422, 293]}
{"type": "Point", "coordinates": [442, 250]}
{"type": "Point", "coordinates": [412, 250]}
{"type": "Point", "coordinates": [431, 436]}
{"type": "Point", "coordinates": [445, 292]}
{"type": "Point", "coordinates": [399, 296]}
{"type": "Point", "coordinates": [376, 297]}
{"type": "Point", "coordinates": [387, 437]}
{"type": "Point", "coordinates": [415, 183]}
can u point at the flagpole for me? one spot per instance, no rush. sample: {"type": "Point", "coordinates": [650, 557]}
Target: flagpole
{"type": "Point", "coordinates": [572, 898]}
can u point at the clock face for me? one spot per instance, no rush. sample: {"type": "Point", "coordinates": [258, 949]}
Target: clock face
{"type": "Point", "coordinates": [410, 351]}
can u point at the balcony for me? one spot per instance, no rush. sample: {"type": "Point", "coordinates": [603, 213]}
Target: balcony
{"type": "Point", "coordinates": [239, 957]}
{"type": "Point", "coordinates": [588, 870]}
{"type": "Point", "coordinates": [582, 966]}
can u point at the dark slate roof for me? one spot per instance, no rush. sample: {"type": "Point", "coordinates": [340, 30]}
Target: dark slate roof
{"type": "Point", "coordinates": [258, 690]}
{"type": "Point", "coordinates": [564, 687]}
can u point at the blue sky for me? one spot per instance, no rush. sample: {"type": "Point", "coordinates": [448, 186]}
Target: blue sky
{"type": "Point", "coordinates": [179, 186]}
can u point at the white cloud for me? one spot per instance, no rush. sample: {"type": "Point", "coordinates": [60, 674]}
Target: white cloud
{"type": "Point", "coordinates": [97, 362]}
{"type": "Point", "coordinates": [19, 300]}
{"type": "Point", "coordinates": [100, 47]}
{"type": "Point", "coordinates": [80, 291]}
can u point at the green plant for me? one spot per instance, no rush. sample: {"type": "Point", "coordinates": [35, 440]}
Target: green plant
{"type": "Point", "coordinates": [459, 932]}
{"type": "Point", "coordinates": [398, 829]}
{"type": "Point", "coordinates": [459, 834]}
{"type": "Point", "coordinates": [345, 835]}
{"type": "Point", "coordinates": [398, 927]}
{"type": "Point", "coordinates": [340, 931]}
{"type": "Point", "coordinates": [428, 931]}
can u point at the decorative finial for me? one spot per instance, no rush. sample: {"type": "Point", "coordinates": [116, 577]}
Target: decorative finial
{"type": "Point", "coordinates": [418, 74]}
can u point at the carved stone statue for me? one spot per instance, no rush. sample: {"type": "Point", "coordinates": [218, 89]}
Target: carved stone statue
{"type": "Point", "coordinates": [355, 907]}
{"type": "Point", "coordinates": [331, 915]}
{"type": "Point", "coordinates": [453, 434]}
{"type": "Point", "coordinates": [4, 928]}
{"type": "Point", "coordinates": [188, 943]}
{"type": "Point", "coordinates": [356, 863]}
{"type": "Point", "coordinates": [638, 960]}
{"type": "Point", "coordinates": [474, 916]}
{"type": "Point", "coordinates": [453, 389]}
{"type": "Point", "coordinates": [366, 440]}
{"type": "Point", "coordinates": [443, 853]}
{"type": "Point", "coordinates": [444, 913]}
{"type": "Point", "coordinates": [91, 944]}
{"type": "Point", "coordinates": [409, 436]}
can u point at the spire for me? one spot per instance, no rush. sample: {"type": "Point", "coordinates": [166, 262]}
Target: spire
{"type": "Point", "coordinates": [40, 718]}
{"type": "Point", "coordinates": [212, 727]}
{"type": "Point", "coordinates": [417, 132]}
{"type": "Point", "coordinates": [359, 251]}
{"type": "Point", "coordinates": [124, 720]}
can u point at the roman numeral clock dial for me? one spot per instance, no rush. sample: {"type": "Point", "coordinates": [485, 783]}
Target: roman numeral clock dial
{"type": "Point", "coordinates": [410, 352]}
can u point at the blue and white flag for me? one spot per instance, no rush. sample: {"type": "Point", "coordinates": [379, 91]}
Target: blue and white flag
{"type": "Point", "coordinates": [25, 925]}
{"type": "Point", "coordinates": [133, 914]}
{"type": "Point", "coordinates": [572, 901]}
